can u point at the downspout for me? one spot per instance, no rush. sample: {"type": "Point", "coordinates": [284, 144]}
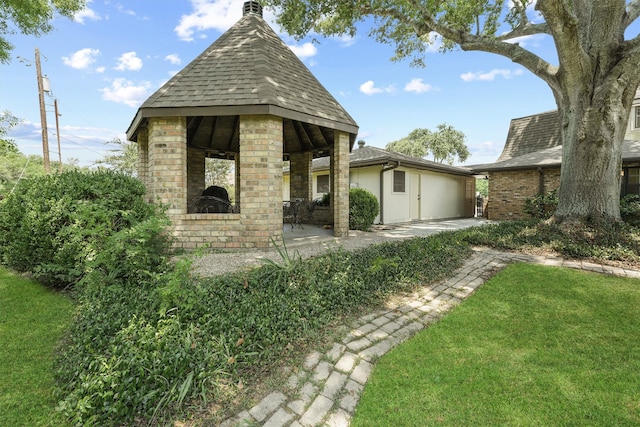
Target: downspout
{"type": "Point", "coordinates": [382, 171]}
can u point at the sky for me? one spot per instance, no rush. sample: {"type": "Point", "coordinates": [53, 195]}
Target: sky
{"type": "Point", "coordinates": [103, 64]}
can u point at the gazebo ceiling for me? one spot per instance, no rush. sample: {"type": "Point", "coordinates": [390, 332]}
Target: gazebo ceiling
{"type": "Point", "coordinates": [219, 135]}
{"type": "Point", "coordinates": [249, 70]}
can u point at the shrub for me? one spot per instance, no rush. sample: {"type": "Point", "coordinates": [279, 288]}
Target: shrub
{"type": "Point", "coordinates": [54, 226]}
{"type": "Point", "coordinates": [363, 209]}
{"type": "Point", "coordinates": [630, 209]}
{"type": "Point", "coordinates": [138, 352]}
{"type": "Point", "coordinates": [604, 241]}
{"type": "Point", "coordinates": [541, 206]}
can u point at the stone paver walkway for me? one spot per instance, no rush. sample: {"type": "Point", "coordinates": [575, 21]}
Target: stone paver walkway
{"type": "Point", "coordinates": [326, 389]}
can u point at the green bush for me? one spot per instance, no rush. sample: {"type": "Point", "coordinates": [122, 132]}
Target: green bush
{"type": "Point", "coordinates": [140, 352]}
{"type": "Point", "coordinates": [605, 241]}
{"type": "Point", "coordinates": [363, 209]}
{"type": "Point", "coordinates": [55, 226]}
{"type": "Point", "coordinates": [630, 209]}
{"type": "Point", "coordinates": [541, 206]}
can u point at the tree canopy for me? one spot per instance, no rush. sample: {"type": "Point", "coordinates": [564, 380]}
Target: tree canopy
{"type": "Point", "coordinates": [31, 17]}
{"type": "Point", "coordinates": [444, 145]}
{"type": "Point", "coordinates": [593, 83]}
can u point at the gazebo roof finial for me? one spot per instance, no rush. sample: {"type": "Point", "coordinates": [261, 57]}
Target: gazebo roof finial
{"type": "Point", "coordinates": [252, 8]}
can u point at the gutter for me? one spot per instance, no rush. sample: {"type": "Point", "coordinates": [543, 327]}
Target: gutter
{"type": "Point", "coordinates": [382, 171]}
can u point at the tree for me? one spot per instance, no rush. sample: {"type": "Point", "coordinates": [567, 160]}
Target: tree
{"type": "Point", "coordinates": [445, 144]}
{"type": "Point", "coordinates": [7, 122]}
{"type": "Point", "coordinates": [415, 144]}
{"type": "Point", "coordinates": [32, 18]}
{"type": "Point", "coordinates": [216, 172]}
{"type": "Point", "coordinates": [123, 158]}
{"type": "Point", "coordinates": [593, 83]}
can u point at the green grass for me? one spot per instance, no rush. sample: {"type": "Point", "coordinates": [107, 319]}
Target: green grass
{"type": "Point", "coordinates": [535, 346]}
{"type": "Point", "coordinates": [32, 319]}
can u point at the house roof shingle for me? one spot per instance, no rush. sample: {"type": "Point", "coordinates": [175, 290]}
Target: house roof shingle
{"type": "Point", "coordinates": [552, 157]}
{"type": "Point", "coordinates": [247, 70]}
{"type": "Point", "coordinates": [370, 156]}
{"type": "Point", "coordinates": [530, 134]}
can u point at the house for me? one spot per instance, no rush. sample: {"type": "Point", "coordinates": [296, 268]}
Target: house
{"type": "Point", "coordinates": [407, 188]}
{"type": "Point", "coordinates": [249, 99]}
{"type": "Point", "coordinates": [531, 159]}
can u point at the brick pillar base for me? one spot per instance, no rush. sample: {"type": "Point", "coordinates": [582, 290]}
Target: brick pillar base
{"type": "Point", "coordinates": [261, 150]}
{"type": "Point", "coordinates": [300, 173]}
{"type": "Point", "coordinates": [195, 176]}
{"type": "Point", "coordinates": [340, 183]}
{"type": "Point", "coordinates": [167, 168]}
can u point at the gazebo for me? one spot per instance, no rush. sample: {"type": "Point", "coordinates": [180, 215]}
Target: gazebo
{"type": "Point", "coordinates": [247, 98]}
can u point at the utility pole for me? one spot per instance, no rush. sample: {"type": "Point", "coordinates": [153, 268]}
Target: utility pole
{"type": "Point", "coordinates": [55, 106]}
{"type": "Point", "coordinates": [43, 116]}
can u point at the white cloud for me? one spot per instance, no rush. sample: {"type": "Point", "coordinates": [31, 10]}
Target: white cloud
{"type": "Point", "coordinates": [129, 61]}
{"type": "Point", "coordinates": [304, 51]}
{"type": "Point", "coordinates": [173, 59]}
{"type": "Point", "coordinates": [345, 40]}
{"type": "Point", "coordinates": [219, 15]}
{"type": "Point", "coordinates": [417, 86]}
{"type": "Point", "coordinates": [126, 92]}
{"type": "Point", "coordinates": [369, 88]}
{"type": "Point", "coordinates": [82, 59]}
{"type": "Point", "coordinates": [491, 75]}
{"type": "Point", "coordinates": [86, 13]}
{"type": "Point", "coordinates": [122, 9]}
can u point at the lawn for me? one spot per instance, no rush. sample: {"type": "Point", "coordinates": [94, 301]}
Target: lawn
{"type": "Point", "coordinates": [32, 319]}
{"type": "Point", "coordinates": [534, 346]}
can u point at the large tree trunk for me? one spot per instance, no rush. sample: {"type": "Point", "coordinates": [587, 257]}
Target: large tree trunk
{"type": "Point", "coordinates": [593, 129]}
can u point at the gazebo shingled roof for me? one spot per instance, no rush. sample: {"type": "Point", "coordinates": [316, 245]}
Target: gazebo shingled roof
{"type": "Point", "coordinates": [248, 70]}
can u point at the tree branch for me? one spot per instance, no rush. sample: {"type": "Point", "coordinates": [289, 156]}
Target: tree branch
{"type": "Point", "coordinates": [631, 47]}
{"type": "Point", "coordinates": [633, 12]}
{"type": "Point", "coordinates": [525, 30]}
{"type": "Point", "coordinates": [519, 55]}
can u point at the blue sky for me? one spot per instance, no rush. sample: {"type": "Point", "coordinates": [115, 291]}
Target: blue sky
{"type": "Point", "coordinates": [103, 64]}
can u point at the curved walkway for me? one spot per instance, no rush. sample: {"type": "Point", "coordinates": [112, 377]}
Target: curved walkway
{"type": "Point", "coordinates": [326, 389]}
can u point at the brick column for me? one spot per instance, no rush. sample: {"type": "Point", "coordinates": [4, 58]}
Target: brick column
{"type": "Point", "coordinates": [168, 163]}
{"type": "Point", "coordinates": [261, 150]}
{"type": "Point", "coordinates": [143, 160]}
{"type": "Point", "coordinates": [340, 183]}
{"type": "Point", "coordinates": [195, 176]}
{"type": "Point", "coordinates": [300, 174]}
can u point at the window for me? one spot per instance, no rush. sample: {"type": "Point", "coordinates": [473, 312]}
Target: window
{"type": "Point", "coordinates": [322, 184]}
{"type": "Point", "coordinates": [631, 181]}
{"type": "Point", "coordinates": [637, 120]}
{"type": "Point", "coordinates": [398, 181]}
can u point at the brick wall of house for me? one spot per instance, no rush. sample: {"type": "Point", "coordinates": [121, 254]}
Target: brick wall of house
{"type": "Point", "coordinates": [508, 191]}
